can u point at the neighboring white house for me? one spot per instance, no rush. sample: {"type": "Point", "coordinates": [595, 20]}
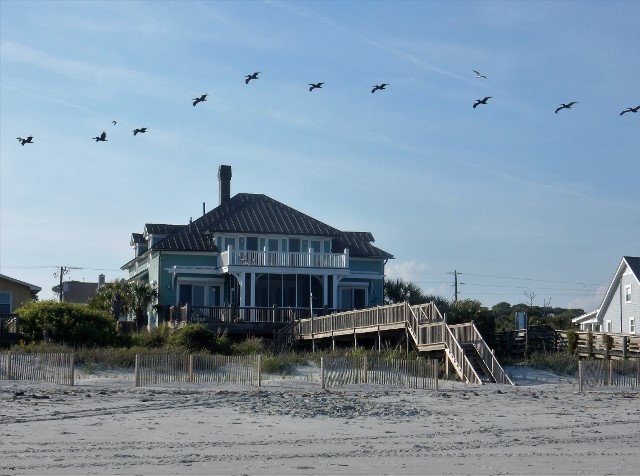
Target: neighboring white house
{"type": "Point", "coordinates": [619, 311]}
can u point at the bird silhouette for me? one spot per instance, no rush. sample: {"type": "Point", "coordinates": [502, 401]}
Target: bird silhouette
{"type": "Point", "coordinates": [249, 77]}
{"type": "Point", "coordinates": [101, 138]}
{"type": "Point", "coordinates": [114, 122]}
{"type": "Point", "coordinates": [481, 101]}
{"type": "Point", "coordinates": [141, 130]}
{"type": "Point", "coordinates": [28, 140]}
{"type": "Point", "coordinates": [378, 87]}
{"type": "Point", "coordinates": [630, 109]}
{"type": "Point", "coordinates": [200, 99]}
{"type": "Point", "coordinates": [315, 86]}
{"type": "Point", "coordinates": [478, 75]}
{"type": "Point", "coordinates": [566, 106]}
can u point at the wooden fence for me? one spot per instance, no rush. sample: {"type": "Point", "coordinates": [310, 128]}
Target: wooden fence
{"type": "Point", "coordinates": [339, 371]}
{"type": "Point", "coordinates": [55, 368]}
{"type": "Point", "coordinates": [162, 369]}
{"type": "Point", "coordinates": [599, 373]}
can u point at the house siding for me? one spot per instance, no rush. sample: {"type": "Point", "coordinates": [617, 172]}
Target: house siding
{"type": "Point", "coordinates": [20, 294]}
{"type": "Point", "coordinates": [169, 294]}
{"type": "Point", "coordinates": [618, 311]}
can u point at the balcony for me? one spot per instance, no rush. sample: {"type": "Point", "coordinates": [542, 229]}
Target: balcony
{"type": "Point", "coordinates": [281, 259]}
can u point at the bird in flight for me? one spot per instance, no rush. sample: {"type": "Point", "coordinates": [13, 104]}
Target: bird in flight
{"type": "Point", "coordinates": [114, 122]}
{"type": "Point", "coordinates": [566, 106]}
{"type": "Point", "coordinates": [200, 99]}
{"type": "Point", "coordinates": [101, 138]}
{"type": "Point", "coordinates": [141, 130]}
{"type": "Point", "coordinates": [28, 140]}
{"type": "Point", "coordinates": [249, 77]}
{"type": "Point", "coordinates": [379, 86]}
{"type": "Point", "coordinates": [481, 101]}
{"type": "Point", "coordinates": [478, 75]}
{"type": "Point", "coordinates": [315, 86]}
{"type": "Point", "coordinates": [630, 109]}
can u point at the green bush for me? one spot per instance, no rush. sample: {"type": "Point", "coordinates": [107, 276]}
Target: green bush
{"type": "Point", "coordinates": [572, 341]}
{"type": "Point", "coordinates": [198, 338]}
{"type": "Point", "coordinates": [65, 323]}
{"type": "Point", "coordinates": [251, 346]}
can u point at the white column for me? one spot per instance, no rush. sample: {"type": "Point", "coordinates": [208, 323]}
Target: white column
{"type": "Point", "coordinates": [242, 283]}
{"type": "Point", "coordinates": [252, 297]}
{"type": "Point", "coordinates": [325, 291]}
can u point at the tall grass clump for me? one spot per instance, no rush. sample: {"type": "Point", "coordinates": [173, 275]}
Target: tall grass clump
{"type": "Point", "coordinates": [558, 363]}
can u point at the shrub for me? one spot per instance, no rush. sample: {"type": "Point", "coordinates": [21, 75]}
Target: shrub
{"type": "Point", "coordinates": [251, 346]}
{"type": "Point", "coordinates": [198, 338]}
{"type": "Point", "coordinates": [572, 341]}
{"type": "Point", "coordinates": [65, 323]}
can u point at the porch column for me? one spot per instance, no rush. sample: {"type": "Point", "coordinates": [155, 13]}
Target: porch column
{"type": "Point", "coordinates": [242, 283]}
{"type": "Point", "coordinates": [252, 291]}
{"type": "Point", "coordinates": [325, 291]}
{"type": "Point", "coordinates": [336, 281]}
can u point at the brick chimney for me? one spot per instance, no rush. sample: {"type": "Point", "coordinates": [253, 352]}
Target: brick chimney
{"type": "Point", "coordinates": [224, 182]}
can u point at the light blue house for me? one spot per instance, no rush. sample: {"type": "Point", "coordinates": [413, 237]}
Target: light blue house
{"type": "Point", "coordinates": [620, 309]}
{"type": "Point", "coordinates": [258, 258]}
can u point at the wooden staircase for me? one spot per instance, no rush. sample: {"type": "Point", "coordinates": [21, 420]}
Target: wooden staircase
{"type": "Point", "coordinates": [464, 348]}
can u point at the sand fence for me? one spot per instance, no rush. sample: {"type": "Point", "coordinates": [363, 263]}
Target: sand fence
{"type": "Point", "coordinates": [600, 373]}
{"type": "Point", "coordinates": [55, 368]}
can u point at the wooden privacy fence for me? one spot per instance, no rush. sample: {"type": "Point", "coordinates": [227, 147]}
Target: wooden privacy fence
{"type": "Point", "coordinates": [339, 371]}
{"type": "Point", "coordinates": [599, 373]}
{"type": "Point", "coordinates": [55, 368]}
{"type": "Point", "coordinates": [161, 369]}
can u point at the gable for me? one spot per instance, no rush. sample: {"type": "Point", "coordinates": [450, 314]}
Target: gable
{"type": "Point", "coordinates": [627, 264]}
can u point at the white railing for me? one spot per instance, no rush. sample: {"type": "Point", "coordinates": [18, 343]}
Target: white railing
{"type": "Point", "coordinates": [310, 259]}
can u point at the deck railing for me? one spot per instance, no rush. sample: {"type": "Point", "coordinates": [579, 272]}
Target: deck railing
{"type": "Point", "coordinates": [463, 367]}
{"type": "Point", "coordinates": [309, 259]}
{"type": "Point", "coordinates": [468, 333]}
{"type": "Point", "coordinates": [240, 314]}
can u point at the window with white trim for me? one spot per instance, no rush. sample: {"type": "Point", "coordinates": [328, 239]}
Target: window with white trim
{"type": "Point", "coordinates": [632, 325]}
{"type": "Point", "coordinates": [627, 293]}
{"type": "Point", "coordinates": [607, 326]}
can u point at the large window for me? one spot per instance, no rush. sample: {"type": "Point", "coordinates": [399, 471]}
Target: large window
{"type": "Point", "coordinates": [5, 302]}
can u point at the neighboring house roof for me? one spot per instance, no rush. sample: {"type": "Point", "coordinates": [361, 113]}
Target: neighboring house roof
{"type": "Point", "coordinates": [259, 214]}
{"type": "Point", "coordinates": [32, 287]}
{"type": "Point", "coordinates": [586, 318]}
{"type": "Point", "coordinates": [627, 262]}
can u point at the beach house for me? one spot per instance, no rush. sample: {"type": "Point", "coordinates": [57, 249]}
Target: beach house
{"type": "Point", "coordinates": [254, 258]}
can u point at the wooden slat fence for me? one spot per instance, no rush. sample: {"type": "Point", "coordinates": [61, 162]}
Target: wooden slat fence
{"type": "Point", "coordinates": [181, 368]}
{"type": "Point", "coordinates": [418, 374]}
{"type": "Point", "coordinates": [55, 368]}
{"type": "Point", "coordinates": [600, 373]}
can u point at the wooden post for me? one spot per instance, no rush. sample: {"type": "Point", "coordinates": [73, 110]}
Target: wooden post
{"type": "Point", "coordinates": [137, 371]}
{"type": "Point", "coordinates": [435, 371]}
{"type": "Point", "coordinates": [190, 368]}
{"type": "Point", "coordinates": [365, 370]}
{"type": "Point", "coordinates": [9, 358]}
{"type": "Point", "coordinates": [580, 383]}
{"type": "Point", "coordinates": [379, 340]}
{"type": "Point", "coordinates": [322, 372]}
{"type": "Point", "coordinates": [73, 366]}
{"type": "Point", "coordinates": [446, 366]}
{"type": "Point", "coordinates": [624, 347]}
{"type": "Point", "coordinates": [355, 339]}
{"type": "Point", "coordinates": [406, 332]}
{"type": "Point", "coordinates": [259, 370]}
{"type": "Point", "coordinates": [610, 372]}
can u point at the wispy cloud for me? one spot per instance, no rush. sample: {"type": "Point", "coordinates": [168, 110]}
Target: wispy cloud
{"type": "Point", "coordinates": [19, 53]}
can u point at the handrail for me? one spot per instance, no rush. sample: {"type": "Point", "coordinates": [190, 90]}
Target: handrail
{"type": "Point", "coordinates": [466, 369]}
{"type": "Point", "coordinates": [487, 355]}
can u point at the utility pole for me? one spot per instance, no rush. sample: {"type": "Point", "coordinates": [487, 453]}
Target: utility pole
{"type": "Point", "coordinates": [455, 284]}
{"type": "Point", "coordinates": [63, 270]}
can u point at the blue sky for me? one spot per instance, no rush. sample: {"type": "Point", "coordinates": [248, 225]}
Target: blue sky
{"type": "Point", "coordinates": [513, 196]}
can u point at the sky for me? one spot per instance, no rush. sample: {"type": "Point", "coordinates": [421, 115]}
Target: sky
{"type": "Point", "coordinates": [522, 203]}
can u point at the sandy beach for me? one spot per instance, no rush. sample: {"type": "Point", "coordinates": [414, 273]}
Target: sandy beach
{"type": "Point", "coordinates": [104, 425]}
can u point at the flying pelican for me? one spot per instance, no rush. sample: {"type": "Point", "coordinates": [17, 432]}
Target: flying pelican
{"type": "Point", "coordinates": [114, 122]}
{"type": "Point", "coordinates": [478, 75]}
{"type": "Point", "coordinates": [566, 106]}
{"type": "Point", "coordinates": [101, 138]}
{"type": "Point", "coordinates": [28, 140]}
{"type": "Point", "coordinates": [379, 86]}
{"type": "Point", "coordinates": [315, 86]}
{"type": "Point", "coordinates": [200, 99]}
{"type": "Point", "coordinates": [142, 130]}
{"type": "Point", "coordinates": [249, 77]}
{"type": "Point", "coordinates": [630, 109]}
{"type": "Point", "coordinates": [481, 101]}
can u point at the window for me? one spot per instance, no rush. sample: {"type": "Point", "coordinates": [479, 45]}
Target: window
{"type": "Point", "coordinates": [632, 325]}
{"type": "Point", "coordinates": [627, 293]}
{"type": "Point", "coordinates": [294, 245]}
{"type": "Point", "coordinates": [5, 302]}
{"type": "Point", "coordinates": [229, 242]}
{"type": "Point", "coordinates": [607, 326]}
{"type": "Point", "coordinates": [252, 243]}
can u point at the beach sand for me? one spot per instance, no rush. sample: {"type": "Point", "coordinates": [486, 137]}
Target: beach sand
{"type": "Point", "coordinates": [104, 425]}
